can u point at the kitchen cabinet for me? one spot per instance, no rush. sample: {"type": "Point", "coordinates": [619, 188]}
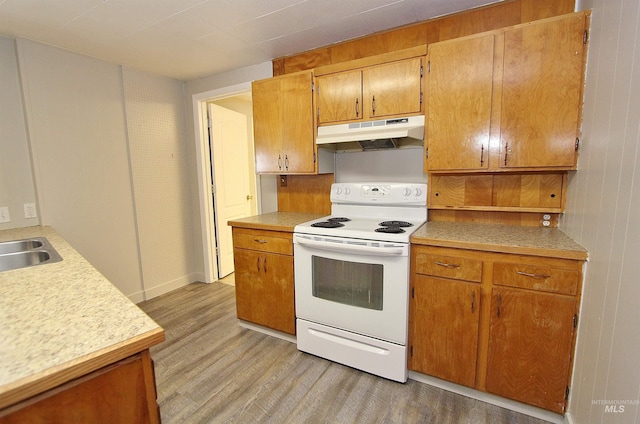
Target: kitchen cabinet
{"type": "Point", "coordinates": [507, 100]}
{"type": "Point", "coordinates": [283, 124]}
{"type": "Point", "coordinates": [497, 322]}
{"type": "Point", "coordinates": [369, 93]}
{"type": "Point", "coordinates": [264, 278]}
{"type": "Point", "coordinates": [118, 393]}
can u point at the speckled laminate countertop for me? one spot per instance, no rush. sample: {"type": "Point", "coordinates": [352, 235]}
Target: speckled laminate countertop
{"type": "Point", "coordinates": [62, 320]}
{"type": "Point", "coordinates": [537, 241]}
{"type": "Point", "coordinates": [277, 221]}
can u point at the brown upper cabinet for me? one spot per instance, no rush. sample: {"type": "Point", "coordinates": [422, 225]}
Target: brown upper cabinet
{"type": "Point", "coordinates": [372, 92]}
{"type": "Point", "coordinates": [507, 100]}
{"type": "Point", "coordinates": [283, 124]}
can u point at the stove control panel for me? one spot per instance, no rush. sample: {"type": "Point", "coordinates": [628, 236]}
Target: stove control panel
{"type": "Point", "coordinates": [379, 193]}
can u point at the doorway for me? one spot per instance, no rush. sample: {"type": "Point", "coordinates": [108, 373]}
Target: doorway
{"type": "Point", "coordinates": [218, 203]}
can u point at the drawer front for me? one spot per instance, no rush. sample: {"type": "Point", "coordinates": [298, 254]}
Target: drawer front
{"type": "Point", "coordinates": [536, 277]}
{"type": "Point", "coordinates": [263, 241]}
{"type": "Point", "coordinates": [455, 267]}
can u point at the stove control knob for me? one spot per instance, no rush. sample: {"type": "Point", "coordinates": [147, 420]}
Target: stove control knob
{"type": "Point", "coordinates": [418, 192]}
{"type": "Point", "coordinates": [338, 190]}
{"type": "Point", "coordinates": [407, 191]}
{"type": "Point", "coordinates": [347, 191]}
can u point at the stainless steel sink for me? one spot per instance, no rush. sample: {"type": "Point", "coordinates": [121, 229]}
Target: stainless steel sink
{"type": "Point", "coordinates": [19, 245]}
{"type": "Point", "coordinates": [25, 253]}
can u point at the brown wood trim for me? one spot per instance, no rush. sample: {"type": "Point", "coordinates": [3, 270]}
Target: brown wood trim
{"type": "Point", "coordinates": [486, 18]}
{"type": "Point", "coordinates": [25, 388]}
{"type": "Point", "coordinates": [372, 60]}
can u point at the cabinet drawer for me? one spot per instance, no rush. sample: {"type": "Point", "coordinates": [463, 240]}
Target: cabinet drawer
{"type": "Point", "coordinates": [264, 241]}
{"type": "Point", "coordinates": [536, 277]}
{"type": "Point", "coordinates": [455, 267]}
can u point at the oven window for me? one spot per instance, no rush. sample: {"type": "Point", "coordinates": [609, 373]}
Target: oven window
{"type": "Point", "coordinates": [350, 283]}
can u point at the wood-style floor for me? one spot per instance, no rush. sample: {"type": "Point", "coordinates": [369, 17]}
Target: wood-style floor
{"type": "Point", "coordinates": [211, 370]}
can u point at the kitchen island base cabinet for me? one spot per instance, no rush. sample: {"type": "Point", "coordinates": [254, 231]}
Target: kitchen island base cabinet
{"type": "Point", "coordinates": [123, 392]}
{"type": "Point", "coordinates": [264, 278]}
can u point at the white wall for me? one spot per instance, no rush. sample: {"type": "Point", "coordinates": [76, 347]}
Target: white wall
{"type": "Point", "coordinates": [161, 177]}
{"type": "Point", "coordinates": [16, 179]}
{"type": "Point", "coordinates": [395, 165]}
{"type": "Point", "coordinates": [603, 208]}
{"type": "Point", "coordinates": [78, 141]}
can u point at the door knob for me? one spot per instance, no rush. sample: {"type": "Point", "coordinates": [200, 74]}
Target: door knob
{"type": "Point", "coordinates": [249, 197]}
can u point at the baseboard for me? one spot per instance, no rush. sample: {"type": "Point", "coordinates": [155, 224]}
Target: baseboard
{"type": "Point", "coordinates": [529, 410]}
{"type": "Point", "coordinates": [267, 331]}
{"type": "Point", "coordinates": [166, 287]}
{"type": "Point", "coordinates": [568, 418]}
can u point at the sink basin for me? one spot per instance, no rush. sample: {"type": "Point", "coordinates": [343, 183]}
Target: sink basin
{"type": "Point", "coordinates": [19, 245]}
{"type": "Point", "coordinates": [25, 253]}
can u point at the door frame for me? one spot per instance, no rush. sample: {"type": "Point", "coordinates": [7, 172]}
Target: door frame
{"type": "Point", "coordinates": [203, 162]}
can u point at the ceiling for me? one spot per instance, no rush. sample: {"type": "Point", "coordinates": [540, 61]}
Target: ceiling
{"type": "Point", "coordinates": [188, 39]}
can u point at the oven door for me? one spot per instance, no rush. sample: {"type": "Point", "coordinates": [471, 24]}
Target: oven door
{"type": "Point", "coordinates": [355, 285]}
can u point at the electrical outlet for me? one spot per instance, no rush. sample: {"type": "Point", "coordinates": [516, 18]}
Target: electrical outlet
{"type": "Point", "coordinates": [4, 214]}
{"type": "Point", "coordinates": [30, 210]}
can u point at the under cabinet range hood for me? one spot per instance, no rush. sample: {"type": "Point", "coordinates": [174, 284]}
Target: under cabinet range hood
{"type": "Point", "coordinates": [373, 135]}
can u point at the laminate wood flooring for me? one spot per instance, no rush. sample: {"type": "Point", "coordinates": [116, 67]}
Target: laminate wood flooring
{"type": "Point", "coordinates": [211, 370]}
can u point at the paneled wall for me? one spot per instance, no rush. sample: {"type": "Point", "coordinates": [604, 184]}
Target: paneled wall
{"type": "Point", "coordinates": [16, 178]}
{"type": "Point", "coordinates": [603, 207]}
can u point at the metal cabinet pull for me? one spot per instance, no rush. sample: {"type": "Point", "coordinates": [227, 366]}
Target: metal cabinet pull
{"type": "Point", "coordinates": [264, 264]}
{"type": "Point", "coordinates": [447, 265]}
{"type": "Point", "coordinates": [473, 301]}
{"type": "Point", "coordinates": [373, 105]}
{"type": "Point", "coordinates": [357, 107]}
{"type": "Point", "coordinates": [286, 162]}
{"type": "Point", "coordinates": [482, 155]}
{"type": "Point", "coordinates": [258, 264]}
{"type": "Point", "coordinates": [499, 304]}
{"type": "Point", "coordinates": [261, 241]}
{"type": "Point", "coordinates": [539, 276]}
{"type": "Point", "coordinates": [279, 162]}
{"type": "Point", "coordinates": [506, 153]}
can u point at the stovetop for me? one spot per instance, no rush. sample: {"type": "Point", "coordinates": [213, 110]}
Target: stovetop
{"type": "Point", "coordinates": [372, 211]}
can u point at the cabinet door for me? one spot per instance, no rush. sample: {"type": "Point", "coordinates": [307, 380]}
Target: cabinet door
{"type": "Point", "coordinates": [264, 289]}
{"type": "Point", "coordinates": [393, 89]}
{"type": "Point", "coordinates": [444, 330]}
{"type": "Point", "coordinates": [530, 346]}
{"type": "Point", "coordinates": [267, 125]}
{"type": "Point", "coordinates": [298, 135]}
{"type": "Point", "coordinates": [339, 97]}
{"type": "Point", "coordinates": [542, 93]}
{"type": "Point", "coordinates": [459, 104]}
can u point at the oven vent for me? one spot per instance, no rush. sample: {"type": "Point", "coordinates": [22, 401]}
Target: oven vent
{"type": "Point", "coordinates": [373, 135]}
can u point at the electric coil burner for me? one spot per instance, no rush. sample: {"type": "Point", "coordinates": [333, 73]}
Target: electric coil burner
{"type": "Point", "coordinates": [352, 276]}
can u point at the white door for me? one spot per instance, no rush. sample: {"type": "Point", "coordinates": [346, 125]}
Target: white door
{"type": "Point", "coordinates": [231, 178]}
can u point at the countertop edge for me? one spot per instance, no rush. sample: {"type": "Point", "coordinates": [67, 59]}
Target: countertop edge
{"type": "Point", "coordinates": [258, 226]}
{"type": "Point", "coordinates": [38, 383]}
{"type": "Point", "coordinates": [502, 248]}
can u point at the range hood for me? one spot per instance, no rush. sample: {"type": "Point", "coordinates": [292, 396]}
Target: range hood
{"type": "Point", "coordinates": [373, 135]}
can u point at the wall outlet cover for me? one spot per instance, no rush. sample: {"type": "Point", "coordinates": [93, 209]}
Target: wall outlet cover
{"type": "Point", "coordinates": [30, 210]}
{"type": "Point", "coordinates": [4, 214]}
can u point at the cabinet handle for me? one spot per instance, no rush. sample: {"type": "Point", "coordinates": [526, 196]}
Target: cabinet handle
{"type": "Point", "coordinates": [357, 108]}
{"type": "Point", "coordinates": [482, 155]}
{"type": "Point", "coordinates": [373, 106]}
{"type": "Point", "coordinates": [506, 153]}
{"type": "Point", "coordinates": [258, 264]}
{"type": "Point", "coordinates": [499, 304]}
{"type": "Point", "coordinates": [286, 162]}
{"type": "Point", "coordinates": [264, 264]}
{"type": "Point", "coordinates": [473, 301]}
{"type": "Point", "coordinates": [261, 241]}
{"type": "Point", "coordinates": [279, 162]}
{"type": "Point", "coordinates": [539, 276]}
{"type": "Point", "coordinates": [447, 265]}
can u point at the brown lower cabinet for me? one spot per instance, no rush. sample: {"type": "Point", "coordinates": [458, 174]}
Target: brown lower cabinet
{"type": "Point", "coordinates": [263, 263]}
{"type": "Point", "coordinates": [500, 323]}
{"type": "Point", "coordinates": [123, 392]}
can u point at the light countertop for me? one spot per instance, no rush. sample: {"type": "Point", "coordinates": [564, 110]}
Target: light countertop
{"type": "Point", "coordinates": [276, 221]}
{"type": "Point", "coordinates": [62, 320]}
{"type": "Point", "coordinates": [537, 241]}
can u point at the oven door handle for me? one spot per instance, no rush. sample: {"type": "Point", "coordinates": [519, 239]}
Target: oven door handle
{"type": "Point", "coordinates": [352, 248]}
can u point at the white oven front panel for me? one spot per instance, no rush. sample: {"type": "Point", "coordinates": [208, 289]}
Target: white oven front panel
{"type": "Point", "coordinates": [354, 285]}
